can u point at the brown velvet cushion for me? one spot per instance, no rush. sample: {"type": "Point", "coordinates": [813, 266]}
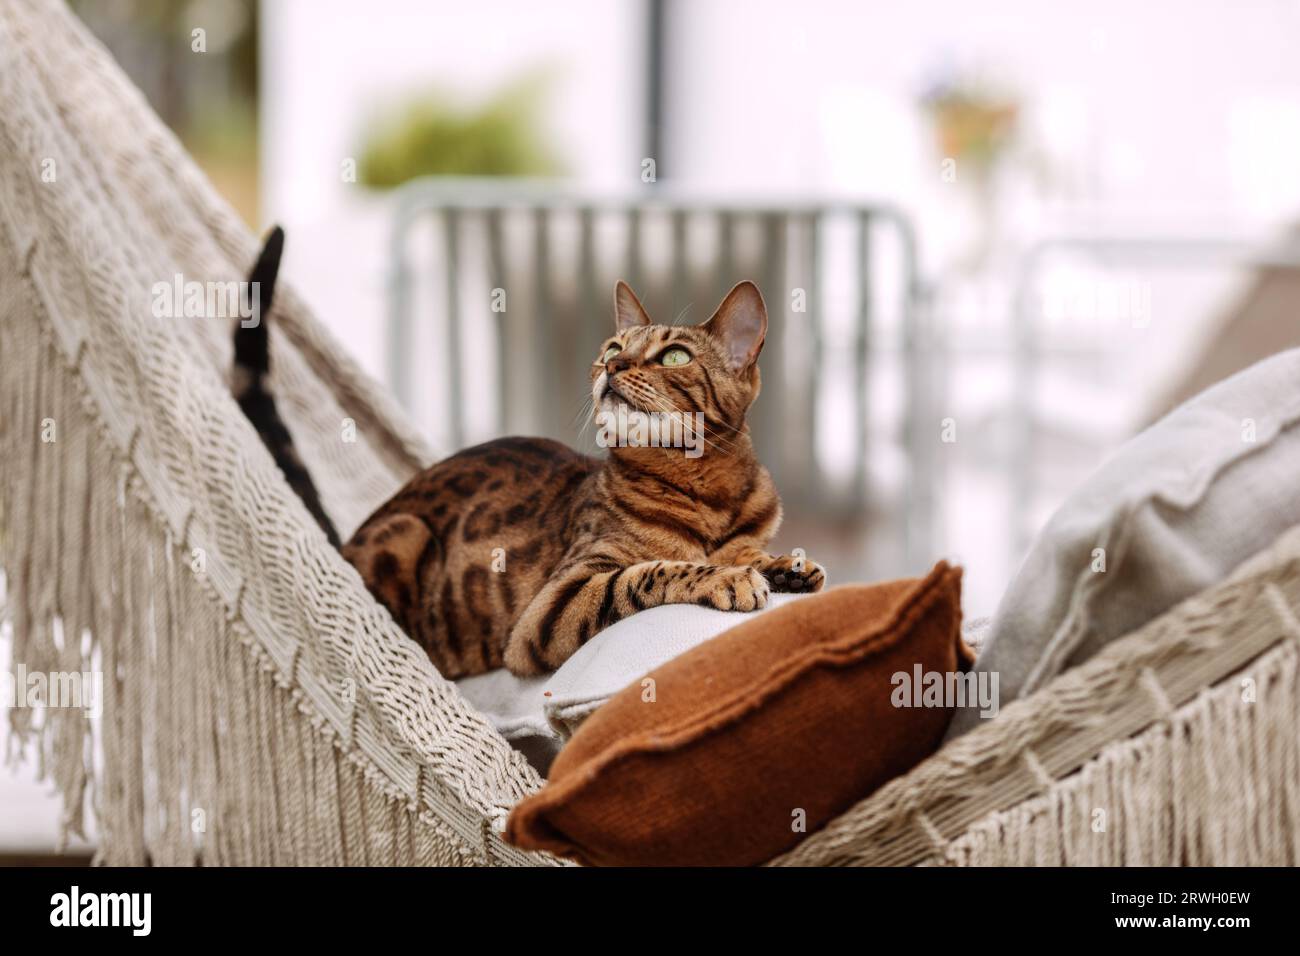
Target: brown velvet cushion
{"type": "Point", "coordinates": [790, 711]}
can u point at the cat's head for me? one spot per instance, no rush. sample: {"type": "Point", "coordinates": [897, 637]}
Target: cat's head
{"type": "Point", "coordinates": [711, 368]}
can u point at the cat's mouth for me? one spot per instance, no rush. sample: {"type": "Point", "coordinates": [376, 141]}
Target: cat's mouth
{"type": "Point", "coordinates": [611, 396]}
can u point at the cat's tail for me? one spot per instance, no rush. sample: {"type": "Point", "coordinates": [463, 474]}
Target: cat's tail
{"type": "Point", "coordinates": [249, 383]}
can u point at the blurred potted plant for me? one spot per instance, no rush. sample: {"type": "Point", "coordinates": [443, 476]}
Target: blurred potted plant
{"type": "Point", "coordinates": [433, 136]}
{"type": "Point", "coordinates": [974, 129]}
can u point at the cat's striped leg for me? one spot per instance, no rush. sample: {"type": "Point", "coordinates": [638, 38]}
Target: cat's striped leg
{"type": "Point", "coordinates": [589, 596]}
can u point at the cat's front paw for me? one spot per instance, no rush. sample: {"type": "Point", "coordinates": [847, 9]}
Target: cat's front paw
{"type": "Point", "coordinates": [732, 589]}
{"type": "Point", "coordinates": [792, 574]}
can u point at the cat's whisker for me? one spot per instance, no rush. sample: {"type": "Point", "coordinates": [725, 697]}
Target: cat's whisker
{"type": "Point", "coordinates": [723, 425]}
{"type": "Point", "coordinates": [664, 407]}
{"type": "Point", "coordinates": [584, 416]}
{"type": "Point", "coordinates": [723, 448]}
{"type": "Point", "coordinates": [719, 443]}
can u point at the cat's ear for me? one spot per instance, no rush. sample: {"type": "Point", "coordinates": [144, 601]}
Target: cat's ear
{"type": "Point", "coordinates": [628, 311]}
{"type": "Point", "coordinates": [740, 324]}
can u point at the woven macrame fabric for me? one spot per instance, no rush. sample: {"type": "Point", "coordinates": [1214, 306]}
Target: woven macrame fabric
{"type": "Point", "coordinates": [265, 699]}
{"type": "Point", "coordinates": [260, 708]}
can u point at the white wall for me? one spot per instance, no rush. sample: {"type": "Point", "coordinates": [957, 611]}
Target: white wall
{"type": "Point", "coordinates": [1173, 114]}
{"type": "Point", "coordinates": [329, 65]}
{"type": "Point", "coordinates": [1165, 106]}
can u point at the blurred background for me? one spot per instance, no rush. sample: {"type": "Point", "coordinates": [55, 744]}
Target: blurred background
{"type": "Point", "coordinates": [995, 240]}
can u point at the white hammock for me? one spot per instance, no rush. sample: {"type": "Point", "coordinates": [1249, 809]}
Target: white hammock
{"type": "Point", "coordinates": [261, 708]}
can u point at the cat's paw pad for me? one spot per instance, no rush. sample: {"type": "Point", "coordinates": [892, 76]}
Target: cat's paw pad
{"type": "Point", "coordinates": [790, 575]}
{"type": "Point", "coordinates": [734, 589]}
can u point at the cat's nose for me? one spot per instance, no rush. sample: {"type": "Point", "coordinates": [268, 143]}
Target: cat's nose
{"type": "Point", "coordinates": [618, 363]}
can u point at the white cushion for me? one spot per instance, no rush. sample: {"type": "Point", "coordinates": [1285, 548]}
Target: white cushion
{"type": "Point", "coordinates": [620, 655]}
{"type": "Point", "coordinates": [1172, 512]}
{"type": "Point", "coordinates": [537, 714]}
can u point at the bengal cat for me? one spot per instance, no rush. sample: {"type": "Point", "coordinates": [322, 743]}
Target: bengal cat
{"type": "Point", "coordinates": [519, 550]}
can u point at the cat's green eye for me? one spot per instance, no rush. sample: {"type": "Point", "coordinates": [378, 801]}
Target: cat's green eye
{"type": "Point", "coordinates": [675, 357]}
{"type": "Point", "coordinates": [611, 352]}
